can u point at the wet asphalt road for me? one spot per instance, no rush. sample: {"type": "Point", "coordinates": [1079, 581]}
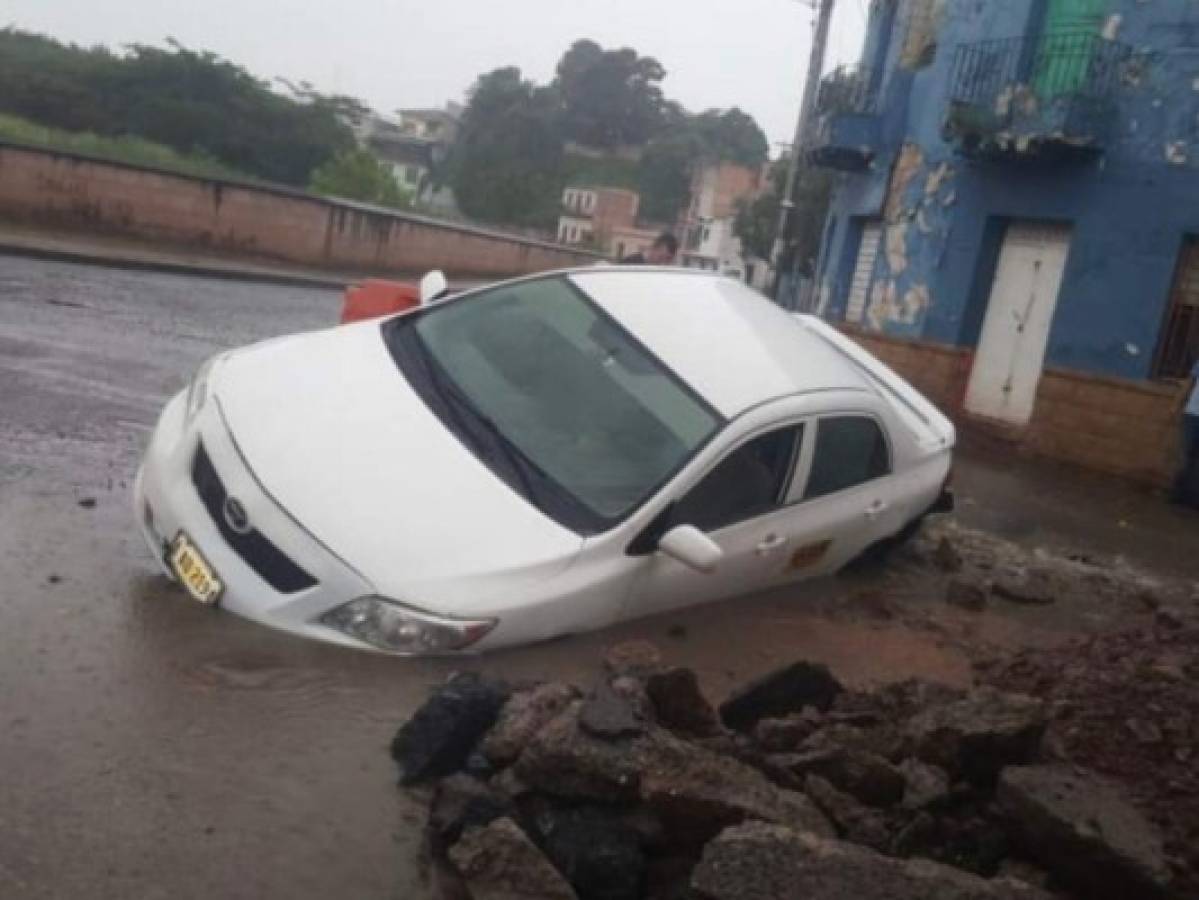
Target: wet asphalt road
{"type": "Point", "coordinates": [153, 748]}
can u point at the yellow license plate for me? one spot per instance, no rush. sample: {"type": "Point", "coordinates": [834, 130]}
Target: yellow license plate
{"type": "Point", "coordinates": [193, 571]}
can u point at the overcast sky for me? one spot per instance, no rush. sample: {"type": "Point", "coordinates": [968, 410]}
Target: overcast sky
{"type": "Point", "coordinates": [412, 53]}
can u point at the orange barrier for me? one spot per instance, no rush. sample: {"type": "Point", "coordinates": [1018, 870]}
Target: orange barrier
{"type": "Point", "coordinates": [375, 298]}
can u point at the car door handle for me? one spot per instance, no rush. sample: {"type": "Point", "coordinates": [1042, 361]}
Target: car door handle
{"type": "Point", "coordinates": [770, 543]}
{"type": "Point", "coordinates": [876, 509]}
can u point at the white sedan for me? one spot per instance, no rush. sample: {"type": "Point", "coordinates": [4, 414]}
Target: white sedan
{"type": "Point", "coordinates": [543, 457]}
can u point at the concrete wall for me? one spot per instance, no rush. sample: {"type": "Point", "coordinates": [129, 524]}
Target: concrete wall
{"type": "Point", "coordinates": [1124, 427]}
{"type": "Point", "coordinates": [1130, 206]}
{"type": "Point", "coordinates": [263, 223]}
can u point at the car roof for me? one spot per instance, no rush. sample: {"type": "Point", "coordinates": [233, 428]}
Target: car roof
{"type": "Point", "coordinates": [731, 344]}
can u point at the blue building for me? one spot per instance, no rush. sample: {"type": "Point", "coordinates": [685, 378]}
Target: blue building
{"type": "Point", "coordinates": [1017, 221]}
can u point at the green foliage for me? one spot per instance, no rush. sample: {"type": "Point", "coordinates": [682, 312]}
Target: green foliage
{"type": "Point", "coordinates": [507, 165]}
{"type": "Point", "coordinates": [136, 151]}
{"type": "Point", "coordinates": [510, 165]}
{"type": "Point", "coordinates": [731, 135]}
{"type": "Point", "coordinates": [357, 175]}
{"type": "Point", "coordinates": [757, 220]}
{"type": "Point", "coordinates": [195, 103]}
{"type": "Point", "coordinates": [609, 98]}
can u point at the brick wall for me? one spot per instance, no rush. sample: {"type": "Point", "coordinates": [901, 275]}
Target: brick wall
{"type": "Point", "coordinates": [1126, 428]}
{"type": "Point", "coordinates": [254, 222]}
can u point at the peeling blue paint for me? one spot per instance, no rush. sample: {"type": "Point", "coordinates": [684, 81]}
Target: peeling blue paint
{"type": "Point", "coordinates": [1130, 203]}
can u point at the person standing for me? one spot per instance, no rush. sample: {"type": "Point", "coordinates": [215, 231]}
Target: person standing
{"type": "Point", "coordinates": [661, 253]}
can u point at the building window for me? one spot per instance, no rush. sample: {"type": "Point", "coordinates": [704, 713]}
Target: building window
{"type": "Point", "coordinates": [1178, 349]}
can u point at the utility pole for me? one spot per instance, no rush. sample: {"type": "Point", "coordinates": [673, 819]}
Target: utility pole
{"type": "Point", "coordinates": [824, 19]}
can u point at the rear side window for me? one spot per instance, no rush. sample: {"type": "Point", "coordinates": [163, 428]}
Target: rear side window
{"type": "Point", "coordinates": [850, 450]}
{"type": "Point", "coordinates": [749, 482]}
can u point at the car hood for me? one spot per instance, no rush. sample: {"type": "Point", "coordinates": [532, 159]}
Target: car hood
{"type": "Point", "coordinates": [336, 435]}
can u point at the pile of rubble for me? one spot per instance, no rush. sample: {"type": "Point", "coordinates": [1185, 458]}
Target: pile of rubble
{"type": "Point", "coordinates": [794, 787]}
{"type": "Point", "coordinates": [1127, 705]}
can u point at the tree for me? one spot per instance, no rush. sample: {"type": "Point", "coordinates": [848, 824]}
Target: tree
{"type": "Point", "coordinates": [757, 220]}
{"type": "Point", "coordinates": [669, 161]}
{"type": "Point", "coordinates": [190, 101]}
{"type": "Point", "coordinates": [609, 98]}
{"type": "Point", "coordinates": [507, 164]}
{"type": "Point", "coordinates": [357, 175]}
{"type": "Point", "coordinates": [732, 135]}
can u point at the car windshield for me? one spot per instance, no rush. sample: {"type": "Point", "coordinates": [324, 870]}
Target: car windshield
{"type": "Point", "coordinates": [558, 398]}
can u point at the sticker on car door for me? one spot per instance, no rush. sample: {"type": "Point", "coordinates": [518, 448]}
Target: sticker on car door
{"type": "Point", "coordinates": [808, 555]}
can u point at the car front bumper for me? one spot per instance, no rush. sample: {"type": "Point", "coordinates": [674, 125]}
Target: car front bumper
{"type": "Point", "coordinates": [167, 502]}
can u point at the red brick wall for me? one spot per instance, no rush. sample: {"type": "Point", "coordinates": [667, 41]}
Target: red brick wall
{"type": "Point", "coordinates": [1127, 428]}
{"type": "Point", "coordinates": [267, 223]}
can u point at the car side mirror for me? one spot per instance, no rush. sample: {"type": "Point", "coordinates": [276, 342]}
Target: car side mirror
{"type": "Point", "coordinates": [433, 287]}
{"type": "Point", "coordinates": [690, 546]}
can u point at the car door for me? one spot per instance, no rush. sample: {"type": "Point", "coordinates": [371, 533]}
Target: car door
{"type": "Point", "coordinates": [739, 503]}
{"type": "Point", "coordinates": [779, 523]}
{"type": "Point", "coordinates": [850, 498]}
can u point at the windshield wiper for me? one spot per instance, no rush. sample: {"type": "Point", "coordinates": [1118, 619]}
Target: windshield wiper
{"type": "Point", "coordinates": [524, 469]}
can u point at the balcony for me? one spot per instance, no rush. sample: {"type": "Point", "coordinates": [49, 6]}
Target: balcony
{"type": "Point", "coordinates": [845, 134]}
{"type": "Point", "coordinates": [1052, 97]}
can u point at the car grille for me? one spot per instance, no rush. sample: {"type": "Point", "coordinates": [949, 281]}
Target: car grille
{"type": "Point", "coordinates": [271, 564]}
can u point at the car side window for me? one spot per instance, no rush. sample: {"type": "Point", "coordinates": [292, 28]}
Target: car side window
{"type": "Point", "coordinates": [850, 450]}
{"type": "Point", "coordinates": [750, 481]}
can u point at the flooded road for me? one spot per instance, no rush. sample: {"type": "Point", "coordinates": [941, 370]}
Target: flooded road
{"type": "Point", "coordinates": [153, 748]}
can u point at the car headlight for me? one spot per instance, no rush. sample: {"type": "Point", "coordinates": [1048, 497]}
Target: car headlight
{"type": "Point", "coordinates": [395, 628]}
{"type": "Point", "coordinates": [197, 391]}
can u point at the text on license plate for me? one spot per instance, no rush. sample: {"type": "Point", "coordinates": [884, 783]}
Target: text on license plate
{"type": "Point", "coordinates": [193, 571]}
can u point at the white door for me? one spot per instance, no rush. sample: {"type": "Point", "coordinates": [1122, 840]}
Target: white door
{"type": "Point", "coordinates": [863, 271]}
{"type": "Point", "coordinates": [1011, 351]}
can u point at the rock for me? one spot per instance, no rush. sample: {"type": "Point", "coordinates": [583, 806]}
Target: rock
{"type": "Point", "coordinates": [461, 802]}
{"type": "Point", "coordinates": [1020, 870]}
{"type": "Point", "coordinates": [1169, 618]}
{"type": "Point", "coordinates": [916, 837]}
{"type": "Point", "coordinates": [598, 853]}
{"type": "Point", "coordinates": [566, 761]}
{"type": "Point", "coordinates": [1027, 586]}
{"type": "Point", "coordinates": [694, 791]}
{"type": "Point", "coordinates": [1144, 731]}
{"type": "Point", "coordinates": [606, 714]}
{"type": "Point", "coordinates": [441, 734]}
{"type": "Point", "coordinates": [520, 718]}
{"type": "Point", "coordinates": [864, 775]}
{"type": "Point", "coordinates": [780, 693]}
{"type": "Point", "coordinates": [965, 594]}
{"type": "Point", "coordinates": [509, 786]}
{"type": "Point", "coordinates": [636, 658]}
{"type": "Point", "coordinates": [782, 735]}
{"type": "Point", "coordinates": [946, 556]}
{"type": "Point", "coordinates": [1084, 831]}
{"type": "Point", "coordinates": [499, 862]}
{"type": "Point", "coordinates": [756, 861]}
{"type": "Point", "coordinates": [884, 741]}
{"type": "Point", "coordinates": [978, 735]}
{"type": "Point", "coordinates": [632, 691]}
{"type": "Point", "coordinates": [852, 820]}
{"type": "Point", "coordinates": [669, 878]}
{"type": "Point", "coordinates": [678, 703]}
{"type": "Point", "coordinates": [697, 793]}
{"type": "Point", "coordinates": [903, 699]}
{"type": "Point", "coordinates": [924, 785]}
